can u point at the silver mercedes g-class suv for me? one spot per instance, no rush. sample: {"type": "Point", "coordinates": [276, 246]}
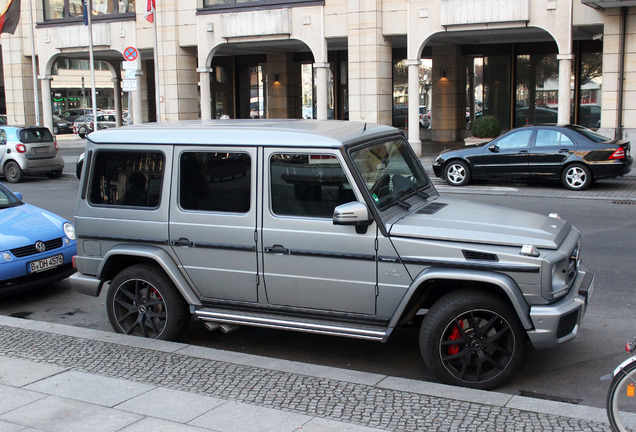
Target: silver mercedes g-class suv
{"type": "Point", "coordinates": [318, 226]}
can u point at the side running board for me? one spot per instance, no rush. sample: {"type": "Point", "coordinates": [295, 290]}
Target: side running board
{"type": "Point", "coordinates": [376, 333]}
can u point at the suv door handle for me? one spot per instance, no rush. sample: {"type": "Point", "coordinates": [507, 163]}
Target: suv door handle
{"type": "Point", "coordinates": [564, 151]}
{"type": "Point", "coordinates": [277, 249]}
{"type": "Point", "coordinates": [523, 151]}
{"type": "Point", "coordinates": [182, 242]}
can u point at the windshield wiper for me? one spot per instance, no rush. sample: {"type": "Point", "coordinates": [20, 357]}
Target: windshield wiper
{"type": "Point", "coordinates": [402, 203]}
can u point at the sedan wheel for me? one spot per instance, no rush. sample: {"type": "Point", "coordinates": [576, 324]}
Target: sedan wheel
{"type": "Point", "coordinates": [457, 173]}
{"type": "Point", "coordinates": [576, 177]}
{"type": "Point", "coordinates": [12, 172]}
{"type": "Point", "coordinates": [56, 130]}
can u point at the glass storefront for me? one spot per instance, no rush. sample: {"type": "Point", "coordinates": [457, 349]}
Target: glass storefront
{"type": "Point", "coordinates": [68, 9]}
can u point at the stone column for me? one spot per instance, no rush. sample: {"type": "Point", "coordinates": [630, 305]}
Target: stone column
{"type": "Point", "coordinates": [137, 108]}
{"type": "Point", "coordinates": [370, 64]}
{"type": "Point", "coordinates": [47, 110]}
{"type": "Point", "coordinates": [321, 90]}
{"type": "Point", "coordinates": [118, 104]}
{"type": "Point", "coordinates": [413, 120]}
{"type": "Point", "coordinates": [565, 72]}
{"type": "Point", "coordinates": [204, 84]}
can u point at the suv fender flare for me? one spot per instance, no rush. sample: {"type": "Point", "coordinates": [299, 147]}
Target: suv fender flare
{"type": "Point", "coordinates": [505, 283]}
{"type": "Point", "coordinates": [159, 257]}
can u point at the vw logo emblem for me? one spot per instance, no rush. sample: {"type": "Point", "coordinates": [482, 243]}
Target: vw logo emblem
{"type": "Point", "coordinates": [39, 246]}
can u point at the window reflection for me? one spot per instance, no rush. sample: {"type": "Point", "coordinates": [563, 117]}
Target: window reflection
{"type": "Point", "coordinates": [64, 9]}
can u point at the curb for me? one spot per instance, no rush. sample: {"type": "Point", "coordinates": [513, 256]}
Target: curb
{"type": "Point", "coordinates": [381, 382]}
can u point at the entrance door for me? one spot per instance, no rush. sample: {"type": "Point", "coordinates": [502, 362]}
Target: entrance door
{"type": "Point", "coordinates": [213, 220]}
{"type": "Point", "coordinates": [308, 262]}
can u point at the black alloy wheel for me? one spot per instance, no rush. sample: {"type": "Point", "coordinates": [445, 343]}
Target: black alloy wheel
{"type": "Point", "coordinates": [472, 339]}
{"type": "Point", "coordinates": [143, 301]}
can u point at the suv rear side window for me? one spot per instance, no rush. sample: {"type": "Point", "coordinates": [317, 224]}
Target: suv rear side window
{"type": "Point", "coordinates": [35, 135]}
{"type": "Point", "coordinates": [308, 185]}
{"type": "Point", "coordinates": [215, 181]}
{"type": "Point", "coordinates": [127, 178]}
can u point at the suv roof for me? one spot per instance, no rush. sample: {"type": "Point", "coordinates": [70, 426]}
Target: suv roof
{"type": "Point", "coordinates": [285, 132]}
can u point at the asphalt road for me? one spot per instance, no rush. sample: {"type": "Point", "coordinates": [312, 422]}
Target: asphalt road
{"type": "Point", "coordinates": [569, 373]}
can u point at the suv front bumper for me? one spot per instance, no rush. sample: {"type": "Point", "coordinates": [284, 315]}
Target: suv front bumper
{"type": "Point", "coordinates": [559, 322]}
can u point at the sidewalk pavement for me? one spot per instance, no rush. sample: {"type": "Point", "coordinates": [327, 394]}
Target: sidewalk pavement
{"type": "Point", "coordinates": [60, 378]}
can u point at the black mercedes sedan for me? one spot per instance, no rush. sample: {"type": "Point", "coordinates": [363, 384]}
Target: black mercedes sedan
{"type": "Point", "coordinates": [572, 154]}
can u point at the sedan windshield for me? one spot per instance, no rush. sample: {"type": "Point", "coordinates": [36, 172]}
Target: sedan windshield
{"type": "Point", "coordinates": [390, 171]}
{"type": "Point", "coordinates": [7, 199]}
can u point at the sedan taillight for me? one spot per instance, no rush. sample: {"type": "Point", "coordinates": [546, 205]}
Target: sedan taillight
{"type": "Point", "coordinates": [618, 154]}
{"type": "Point", "coordinates": [20, 148]}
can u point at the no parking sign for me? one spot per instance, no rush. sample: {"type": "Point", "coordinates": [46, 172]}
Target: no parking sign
{"type": "Point", "coordinates": [130, 53]}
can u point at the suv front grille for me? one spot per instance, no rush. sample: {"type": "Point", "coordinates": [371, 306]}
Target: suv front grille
{"type": "Point", "coordinates": [31, 250]}
{"type": "Point", "coordinates": [573, 264]}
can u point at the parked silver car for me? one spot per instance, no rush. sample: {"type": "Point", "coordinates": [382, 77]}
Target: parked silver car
{"type": "Point", "coordinates": [26, 150]}
{"type": "Point", "coordinates": [83, 125]}
{"type": "Point", "coordinates": [318, 226]}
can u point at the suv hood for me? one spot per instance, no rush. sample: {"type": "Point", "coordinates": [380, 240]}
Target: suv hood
{"type": "Point", "coordinates": [458, 220]}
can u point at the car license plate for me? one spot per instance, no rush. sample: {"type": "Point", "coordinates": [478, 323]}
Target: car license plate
{"type": "Point", "coordinates": [46, 263]}
{"type": "Point", "coordinates": [40, 150]}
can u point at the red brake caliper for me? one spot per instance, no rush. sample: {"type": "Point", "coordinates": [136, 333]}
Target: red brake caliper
{"type": "Point", "coordinates": [455, 335]}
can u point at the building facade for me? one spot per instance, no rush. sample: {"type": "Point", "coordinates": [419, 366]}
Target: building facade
{"type": "Point", "coordinates": [523, 61]}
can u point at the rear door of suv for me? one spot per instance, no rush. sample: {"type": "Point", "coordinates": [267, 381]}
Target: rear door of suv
{"type": "Point", "coordinates": [213, 220]}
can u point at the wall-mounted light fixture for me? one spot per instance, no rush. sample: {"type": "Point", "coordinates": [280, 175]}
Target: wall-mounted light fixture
{"type": "Point", "coordinates": [442, 73]}
{"type": "Point", "coordinates": [275, 78]}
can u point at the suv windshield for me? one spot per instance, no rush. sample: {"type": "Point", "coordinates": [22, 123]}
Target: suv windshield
{"type": "Point", "coordinates": [390, 171]}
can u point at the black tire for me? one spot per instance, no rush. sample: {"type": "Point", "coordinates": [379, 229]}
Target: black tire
{"type": "Point", "coordinates": [472, 339]}
{"type": "Point", "coordinates": [56, 130]}
{"type": "Point", "coordinates": [576, 177]}
{"type": "Point", "coordinates": [143, 301]}
{"type": "Point", "coordinates": [457, 173]}
{"type": "Point", "coordinates": [82, 132]}
{"type": "Point", "coordinates": [54, 174]}
{"type": "Point", "coordinates": [618, 400]}
{"type": "Point", "coordinates": [12, 172]}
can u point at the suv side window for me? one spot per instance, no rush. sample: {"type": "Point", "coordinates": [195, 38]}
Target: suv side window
{"type": "Point", "coordinates": [127, 178]}
{"type": "Point", "coordinates": [215, 181]}
{"type": "Point", "coordinates": [308, 185]}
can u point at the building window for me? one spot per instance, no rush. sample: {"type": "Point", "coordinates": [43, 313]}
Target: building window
{"type": "Point", "coordinates": [224, 4]}
{"type": "Point", "coordinates": [72, 9]}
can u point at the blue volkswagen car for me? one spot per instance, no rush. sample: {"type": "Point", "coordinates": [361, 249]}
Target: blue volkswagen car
{"type": "Point", "coordinates": [36, 246]}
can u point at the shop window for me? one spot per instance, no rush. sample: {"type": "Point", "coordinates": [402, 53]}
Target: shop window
{"type": "Point", "coordinates": [590, 90]}
{"type": "Point", "coordinates": [222, 4]}
{"type": "Point", "coordinates": [72, 9]}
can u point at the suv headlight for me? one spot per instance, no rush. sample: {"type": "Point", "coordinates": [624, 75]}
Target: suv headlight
{"type": "Point", "coordinates": [69, 230]}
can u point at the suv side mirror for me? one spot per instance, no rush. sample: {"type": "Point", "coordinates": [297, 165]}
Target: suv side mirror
{"type": "Point", "coordinates": [353, 213]}
{"type": "Point", "coordinates": [493, 148]}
